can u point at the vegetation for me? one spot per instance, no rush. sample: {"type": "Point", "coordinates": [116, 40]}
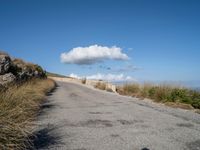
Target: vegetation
{"type": "Point", "coordinates": [100, 85]}
{"type": "Point", "coordinates": [55, 75]}
{"type": "Point", "coordinates": [109, 90]}
{"type": "Point", "coordinates": [83, 81]}
{"type": "Point", "coordinates": [19, 105]}
{"type": "Point", "coordinates": [171, 95]}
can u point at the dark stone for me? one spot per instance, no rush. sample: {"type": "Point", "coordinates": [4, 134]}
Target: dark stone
{"type": "Point", "coordinates": [7, 78]}
{"type": "Point", "coordinates": [5, 63]}
{"type": "Point", "coordinates": [18, 70]}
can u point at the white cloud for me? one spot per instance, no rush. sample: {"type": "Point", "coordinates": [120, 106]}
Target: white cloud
{"type": "Point", "coordinates": [106, 77]}
{"type": "Point", "coordinates": [75, 76]}
{"type": "Point", "coordinates": [92, 54]}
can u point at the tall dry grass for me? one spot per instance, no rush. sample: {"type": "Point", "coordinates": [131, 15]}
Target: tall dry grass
{"type": "Point", "coordinates": [100, 85]}
{"type": "Point", "coordinates": [19, 105]}
{"type": "Point", "coordinates": [169, 94]}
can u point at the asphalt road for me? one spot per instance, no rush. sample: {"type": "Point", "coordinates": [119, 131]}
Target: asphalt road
{"type": "Point", "coordinates": [79, 118]}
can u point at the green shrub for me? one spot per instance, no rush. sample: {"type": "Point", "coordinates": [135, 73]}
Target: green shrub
{"type": "Point", "coordinates": [152, 92]}
{"type": "Point", "coordinates": [163, 93]}
{"type": "Point", "coordinates": [195, 100]}
{"type": "Point", "coordinates": [144, 91]}
{"type": "Point", "coordinates": [178, 94]}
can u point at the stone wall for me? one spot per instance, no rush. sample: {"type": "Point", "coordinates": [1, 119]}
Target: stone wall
{"type": "Point", "coordinates": [87, 82]}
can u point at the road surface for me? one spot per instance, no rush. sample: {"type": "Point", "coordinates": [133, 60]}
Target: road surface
{"type": "Point", "coordinates": [76, 117]}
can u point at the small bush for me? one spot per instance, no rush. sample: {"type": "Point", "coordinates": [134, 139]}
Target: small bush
{"type": "Point", "coordinates": [101, 85]}
{"type": "Point", "coordinates": [152, 92]}
{"type": "Point", "coordinates": [131, 89]}
{"type": "Point", "coordinates": [144, 91]}
{"type": "Point", "coordinates": [162, 93]}
{"type": "Point", "coordinates": [178, 94]}
{"type": "Point", "coordinates": [83, 81]}
{"type": "Point", "coordinates": [109, 90]}
{"type": "Point", "coordinates": [196, 103]}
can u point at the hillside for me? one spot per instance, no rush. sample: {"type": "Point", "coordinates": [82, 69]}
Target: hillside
{"type": "Point", "coordinates": [17, 70]}
{"type": "Point", "coordinates": [23, 87]}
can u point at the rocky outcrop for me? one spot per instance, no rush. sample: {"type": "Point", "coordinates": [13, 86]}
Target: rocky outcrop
{"type": "Point", "coordinates": [5, 63]}
{"type": "Point", "coordinates": [17, 70]}
{"type": "Point", "coordinates": [7, 78]}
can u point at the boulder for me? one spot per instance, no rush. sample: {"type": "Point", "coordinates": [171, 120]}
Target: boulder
{"type": "Point", "coordinates": [17, 70]}
{"type": "Point", "coordinates": [5, 63]}
{"type": "Point", "coordinates": [7, 78]}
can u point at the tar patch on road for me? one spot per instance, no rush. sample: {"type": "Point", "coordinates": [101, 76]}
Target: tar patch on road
{"type": "Point", "coordinates": [91, 124]}
{"type": "Point", "coordinates": [187, 125]}
{"type": "Point", "coordinates": [126, 122]}
{"type": "Point", "coordinates": [195, 145]}
{"type": "Point", "coordinates": [97, 123]}
{"type": "Point", "coordinates": [145, 148]}
{"type": "Point", "coordinates": [114, 135]}
{"type": "Point", "coordinates": [129, 122]}
{"type": "Point", "coordinates": [95, 113]}
{"type": "Point", "coordinates": [73, 95]}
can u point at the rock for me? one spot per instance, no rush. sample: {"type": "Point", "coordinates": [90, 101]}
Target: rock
{"type": "Point", "coordinates": [7, 78]}
{"type": "Point", "coordinates": [18, 70]}
{"type": "Point", "coordinates": [36, 73]}
{"type": "Point", "coordinates": [5, 63]}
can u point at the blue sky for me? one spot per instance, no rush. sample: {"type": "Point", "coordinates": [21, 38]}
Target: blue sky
{"type": "Point", "coordinates": [160, 37]}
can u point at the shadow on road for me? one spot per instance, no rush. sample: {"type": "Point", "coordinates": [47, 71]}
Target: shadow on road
{"type": "Point", "coordinates": [47, 105]}
{"type": "Point", "coordinates": [44, 138]}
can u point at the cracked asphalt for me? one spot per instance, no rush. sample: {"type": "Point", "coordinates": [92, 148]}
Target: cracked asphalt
{"type": "Point", "coordinates": [76, 117]}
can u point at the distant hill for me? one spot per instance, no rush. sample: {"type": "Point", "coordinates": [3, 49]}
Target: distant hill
{"type": "Point", "coordinates": [50, 74]}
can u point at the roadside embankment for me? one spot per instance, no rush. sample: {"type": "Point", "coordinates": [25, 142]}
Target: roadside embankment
{"type": "Point", "coordinates": [23, 87]}
{"type": "Point", "coordinates": [173, 96]}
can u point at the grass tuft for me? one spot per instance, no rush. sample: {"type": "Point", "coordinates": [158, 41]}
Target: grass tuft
{"type": "Point", "coordinates": [83, 81]}
{"type": "Point", "coordinates": [19, 105]}
{"type": "Point", "coordinates": [100, 85]}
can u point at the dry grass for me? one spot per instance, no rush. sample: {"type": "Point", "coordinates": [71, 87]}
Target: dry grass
{"type": "Point", "coordinates": [179, 105]}
{"type": "Point", "coordinates": [131, 89]}
{"type": "Point", "coordinates": [19, 105]}
{"type": "Point", "coordinates": [21, 63]}
{"type": "Point", "coordinates": [101, 85]}
{"type": "Point", "coordinates": [197, 111]}
{"type": "Point", "coordinates": [109, 90]}
{"type": "Point", "coordinates": [83, 81]}
{"type": "Point", "coordinates": [3, 53]}
{"type": "Point", "coordinates": [174, 96]}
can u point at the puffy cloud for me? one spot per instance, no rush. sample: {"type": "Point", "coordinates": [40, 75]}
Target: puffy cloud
{"type": "Point", "coordinates": [106, 77]}
{"type": "Point", "coordinates": [75, 76]}
{"type": "Point", "coordinates": [92, 54]}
